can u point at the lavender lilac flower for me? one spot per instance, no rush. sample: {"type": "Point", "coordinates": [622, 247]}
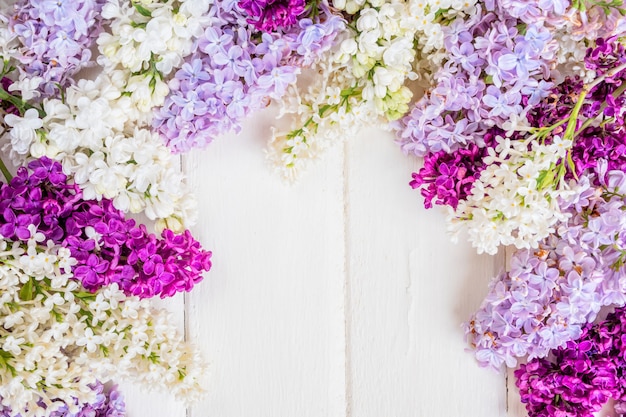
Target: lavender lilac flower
{"type": "Point", "coordinates": [238, 67]}
{"type": "Point", "coordinates": [108, 247]}
{"type": "Point", "coordinates": [56, 37]}
{"type": "Point", "coordinates": [491, 66]}
{"type": "Point", "coordinates": [549, 294]}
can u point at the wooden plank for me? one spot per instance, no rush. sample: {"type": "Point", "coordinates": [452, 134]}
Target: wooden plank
{"type": "Point", "coordinates": [270, 314]}
{"type": "Point", "coordinates": [409, 291]}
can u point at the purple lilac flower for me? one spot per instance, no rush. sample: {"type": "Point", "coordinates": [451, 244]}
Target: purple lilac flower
{"type": "Point", "coordinates": [108, 403]}
{"type": "Point", "coordinates": [581, 376]}
{"type": "Point", "coordinates": [108, 247]}
{"type": "Point", "coordinates": [447, 178]}
{"type": "Point", "coordinates": [502, 104]}
{"type": "Point", "coordinates": [599, 141]}
{"type": "Point", "coordinates": [56, 37]}
{"type": "Point", "coordinates": [270, 15]}
{"type": "Point", "coordinates": [239, 67]}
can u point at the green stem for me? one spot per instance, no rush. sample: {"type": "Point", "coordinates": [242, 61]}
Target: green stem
{"type": "Point", "coordinates": [21, 105]}
{"type": "Point", "coordinates": [618, 92]}
{"type": "Point", "coordinates": [573, 117]}
{"type": "Point", "coordinates": [5, 171]}
{"type": "Point", "coordinates": [609, 73]}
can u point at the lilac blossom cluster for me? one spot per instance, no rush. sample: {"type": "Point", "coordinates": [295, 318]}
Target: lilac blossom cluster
{"type": "Point", "coordinates": [597, 122]}
{"type": "Point", "coordinates": [270, 15]}
{"type": "Point", "coordinates": [580, 377]}
{"type": "Point", "coordinates": [549, 294]}
{"type": "Point", "coordinates": [108, 247]}
{"type": "Point", "coordinates": [236, 69]}
{"type": "Point", "coordinates": [56, 37]}
{"type": "Point", "coordinates": [108, 403]}
{"type": "Point", "coordinates": [594, 141]}
{"type": "Point", "coordinates": [447, 178]}
{"type": "Point", "coordinates": [496, 66]}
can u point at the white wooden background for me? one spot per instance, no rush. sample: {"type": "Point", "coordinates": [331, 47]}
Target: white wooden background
{"type": "Point", "coordinates": [339, 296]}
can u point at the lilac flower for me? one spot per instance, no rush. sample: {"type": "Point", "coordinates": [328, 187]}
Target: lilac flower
{"type": "Point", "coordinates": [447, 178]}
{"type": "Point", "coordinates": [317, 36]}
{"type": "Point", "coordinates": [493, 71]}
{"type": "Point", "coordinates": [215, 41]}
{"type": "Point", "coordinates": [519, 63]}
{"type": "Point", "coordinates": [193, 73]}
{"type": "Point", "coordinates": [108, 247]}
{"type": "Point", "coordinates": [248, 63]}
{"type": "Point", "coordinates": [278, 80]}
{"type": "Point", "coordinates": [535, 91]}
{"type": "Point", "coordinates": [91, 270]}
{"type": "Point", "coordinates": [537, 38]}
{"type": "Point", "coordinates": [562, 285]}
{"type": "Point", "coordinates": [108, 403]}
{"type": "Point", "coordinates": [270, 15]}
{"type": "Point", "coordinates": [231, 59]}
{"type": "Point", "coordinates": [190, 106]}
{"type": "Point", "coordinates": [16, 225]}
{"type": "Point", "coordinates": [465, 56]}
{"type": "Point", "coordinates": [502, 104]}
{"type": "Point", "coordinates": [579, 377]}
{"type": "Point", "coordinates": [56, 37]}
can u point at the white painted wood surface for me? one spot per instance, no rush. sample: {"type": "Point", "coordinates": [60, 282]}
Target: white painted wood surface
{"type": "Point", "coordinates": [339, 296]}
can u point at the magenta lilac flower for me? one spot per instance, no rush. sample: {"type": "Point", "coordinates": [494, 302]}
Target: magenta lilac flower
{"type": "Point", "coordinates": [108, 247]}
{"type": "Point", "coordinates": [270, 15]}
{"type": "Point", "coordinates": [447, 178]}
{"type": "Point", "coordinates": [581, 376]}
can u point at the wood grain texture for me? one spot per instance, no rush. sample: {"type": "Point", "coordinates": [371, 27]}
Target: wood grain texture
{"type": "Point", "coordinates": [270, 314]}
{"type": "Point", "coordinates": [338, 296]}
{"type": "Point", "coordinates": [410, 290]}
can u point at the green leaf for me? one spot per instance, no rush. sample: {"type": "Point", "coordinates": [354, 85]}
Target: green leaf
{"type": "Point", "coordinates": [570, 164]}
{"type": "Point", "coordinates": [347, 92]}
{"type": "Point", "coordinates": [546, 177]}
{"type": "Point", "coordinates": [27, 293]}
{"type": "Point", "coordinates": [4, 362]}
{"type": "Point", "coordinates": [323, 109]}
{"type": "Point", "coordinates": [142, 10]}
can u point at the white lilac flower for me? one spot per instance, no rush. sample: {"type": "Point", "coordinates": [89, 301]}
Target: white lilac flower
{"type": "Point", "coordinates": [23, 130]}
{"type": "Point", "coordinates": [146, 42]}
{"type": "Point", "coordinates": [363, 81]}
{"type": "Point", "coordinates": [109, 156]}
{"type": "Point", "coordinates": [516, 199]}
{"type": "Point", "coordinates": [56, 339]}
